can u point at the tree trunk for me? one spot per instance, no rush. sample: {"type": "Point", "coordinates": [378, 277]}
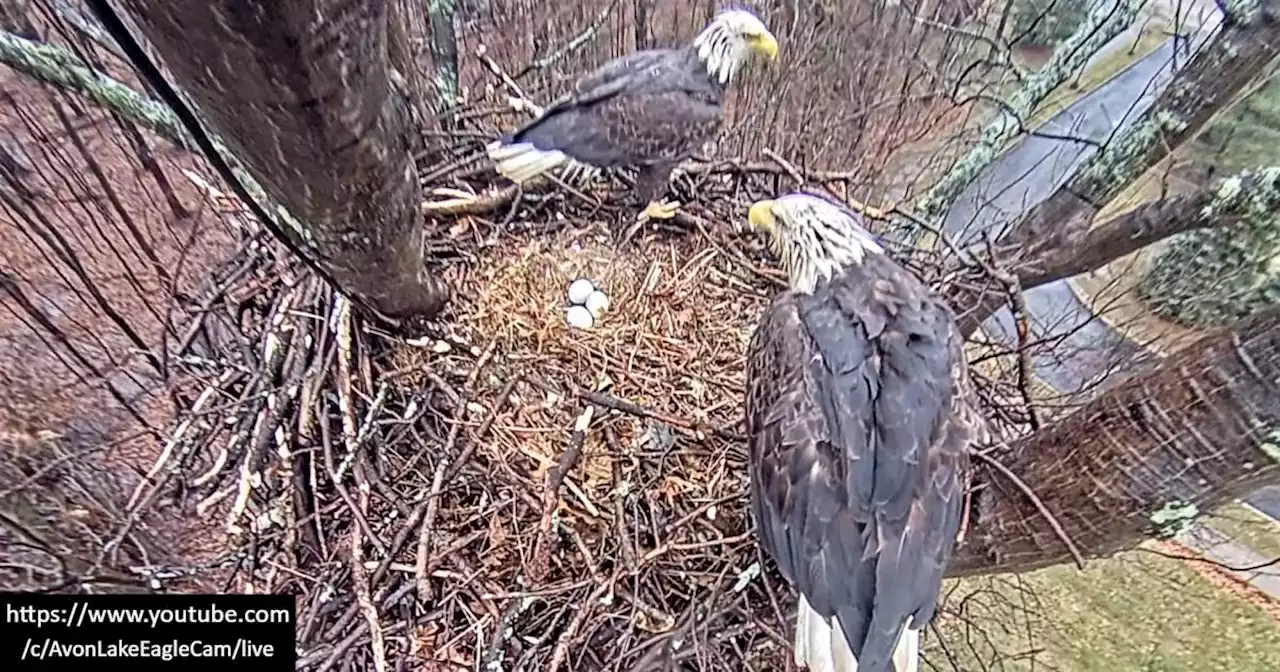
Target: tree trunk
{"type": "Point", "coordinates": [301, 92]}
{"type": "Point", "coordinates": [1198, 429]}
{"type": "Point", "coordinates": [444, 52]}
{"type": "Point", "coordinates": [1047, 242]}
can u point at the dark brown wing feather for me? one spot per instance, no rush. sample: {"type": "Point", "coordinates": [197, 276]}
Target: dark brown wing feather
{"type": "Point", "coordinates": [859, 434]}
{"type": "Point", "coordinates": [648, 108]}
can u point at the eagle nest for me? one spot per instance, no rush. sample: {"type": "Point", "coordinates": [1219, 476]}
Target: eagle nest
{"type": "Point", "coordinates": [509, 492]}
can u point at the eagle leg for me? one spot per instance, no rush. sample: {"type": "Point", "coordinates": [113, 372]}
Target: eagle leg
{"type": "Point", "coordinates": [651, 184]}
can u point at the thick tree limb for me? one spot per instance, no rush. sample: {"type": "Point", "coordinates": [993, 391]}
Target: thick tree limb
{"type": "Point", "coordinates": [54, 65]}
{"type": "Point", "coordinates": [1224, 204]}
{"type": "Point", "coordinates": [1237, 55]}
{"type": "Point", "coordinates": [301, 91]}
{"type": "Point", "coordinates": [1198, 429]}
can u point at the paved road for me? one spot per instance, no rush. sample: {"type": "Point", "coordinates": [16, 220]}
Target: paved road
{"type": "Point", "coordinates": [1266, 500]}
{"type": "Point", "coordinates": [1030, 172]}
{"type": "Point", "coordinates": [1245, 563]}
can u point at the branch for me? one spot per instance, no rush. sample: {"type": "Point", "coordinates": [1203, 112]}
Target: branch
{"type": "Point", "coordinates": [1046, 234]}
{"type": "Point", "coordinates": [57, 66]}
{"type": "Point", "coordinates": [1248, 194]}
{"type": "Point", "coordinates": [1196, 430]}
{"type": "Point", "coordinates": [575, 44]}
{"type": "Point", "coordinates": [1068, 58]}
{"type": "Point", "coordinates": [1210, 83]}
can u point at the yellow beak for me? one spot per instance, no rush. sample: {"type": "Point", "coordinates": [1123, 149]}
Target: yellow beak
{"type": "Point", "coordinates": [760, 217]}
{"type": "Point", "coordinates": [767, 45]}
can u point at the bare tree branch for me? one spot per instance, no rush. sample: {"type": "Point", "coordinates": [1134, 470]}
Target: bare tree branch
{"type": "Point", "coordinates": [1045, 237]}
{"type": "Point", "coordinates": [1251, 193]}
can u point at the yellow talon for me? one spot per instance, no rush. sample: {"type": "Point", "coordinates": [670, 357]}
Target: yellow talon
{"type": "Point", "coordinates": [659, 210]}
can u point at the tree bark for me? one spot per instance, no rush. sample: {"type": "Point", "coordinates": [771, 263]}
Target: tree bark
{"type": "Point", "coordinates": [302, 94]}
{"type": "Point", "coordinates": [1198, 429]}
{"type": "Point", "coordinates": [1052, 231]}
{"type": "Point", "coordinates": [444, 52]}
{"type": "Point", "coordinates": [1220, 205]}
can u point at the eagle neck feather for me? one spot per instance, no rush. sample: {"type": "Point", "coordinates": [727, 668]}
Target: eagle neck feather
{"type": "Point", "coordinates": [720, 51]}
{"type": "Point", "coordinates": [810, 258]}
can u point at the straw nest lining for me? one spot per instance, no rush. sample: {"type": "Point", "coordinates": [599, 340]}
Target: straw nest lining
{"type": "Point", "coordinates": [650, 523]}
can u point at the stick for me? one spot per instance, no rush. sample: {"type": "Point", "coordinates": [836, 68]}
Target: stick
{"type": "Point", "coordinates": [1044, 510]}
{"type": "Point", "coordinates": [551, 495]}
{"type": "Point", "coordinates": [561, 652]}
{"type": "Point", "coordinates": [1018, 303]}
{"type": "Point", "coordinates": [700, 430]}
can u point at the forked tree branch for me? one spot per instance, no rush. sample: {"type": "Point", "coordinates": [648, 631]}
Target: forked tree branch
{"type": "Point", "coordinates": [1249, 194]}
{"type": "Point", "coordinates": [1105, 22]}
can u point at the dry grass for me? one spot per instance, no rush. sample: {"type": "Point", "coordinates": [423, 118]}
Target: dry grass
{"type": "Point", "coordinates": [678, 307]}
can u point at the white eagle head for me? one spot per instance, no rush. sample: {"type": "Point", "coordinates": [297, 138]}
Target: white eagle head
{"type": "Point", "coordinates": [812, 237]}
{"type": "Point", "coordinates": [724, 45]}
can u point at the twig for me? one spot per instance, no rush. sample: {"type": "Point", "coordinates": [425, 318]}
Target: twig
{"type": "Point", "coordinates": [344, 342]}
{"type": "Point", "coordinates": [665, 548]}
{"type": "Point", "coordinates": [785, 164]}
{"type": "Point", "coordinates": [493, 656]}
{"type": "Point", "coordinates": [1035, 499]}
{"type": "Point", "coordinates": [361, 582]}
{"type": "Point", "coordinates": [1018, 303]}
{"type": "Point", "coordinates": [448, 468]}
{"type": "Point", "coordinates": [482, 54]}
{"type": "Point", "coordinates": [573, 45]}
{"type": "Point", "coordinates": [621, 490]}
{"type": "Point", "coordinates": [561, 651]}
{"type": "Point", "coordinates": [485, 203]}
{"type": "Point", "coordinates": [551, 495]}
{"type": "Point", "coordinates": [503, 395]}
{"type": "Point", "coordinates": [1257, 566]}
{"type": "Point", "coordinates": [700, 430]}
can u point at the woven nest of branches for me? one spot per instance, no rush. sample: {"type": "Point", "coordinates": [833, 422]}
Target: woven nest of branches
{"type": "Point", "coordinates": [508, 492]}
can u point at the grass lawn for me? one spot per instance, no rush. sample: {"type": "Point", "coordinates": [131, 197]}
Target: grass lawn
{"type": "Point", "coordinates": [1136, 612]}
{"type": "Point", "coordinates": [1248, 527]}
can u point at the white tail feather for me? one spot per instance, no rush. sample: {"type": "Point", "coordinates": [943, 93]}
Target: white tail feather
{"type": "Point", "coordinates": [820, 645]}
{"type": "Point", "coordinates": [813, 640]}
{"type": "Point", "coordinates": [521, 161]}
{"type": "Point", "coordinates": [906, 656]}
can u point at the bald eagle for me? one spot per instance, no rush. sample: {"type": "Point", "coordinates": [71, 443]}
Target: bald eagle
{"type": "Point", "coordinates": [649, 110]}
{"type": "Point", "coordinates": [859, 421]}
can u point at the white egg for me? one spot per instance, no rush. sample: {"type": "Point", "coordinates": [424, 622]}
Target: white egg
{"type": "Point", "coordinates": [579, 290]}
{"type": "Point", "coordinates": [597, 302]}
{"type": "Point", "coordinates": [579, 317]}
